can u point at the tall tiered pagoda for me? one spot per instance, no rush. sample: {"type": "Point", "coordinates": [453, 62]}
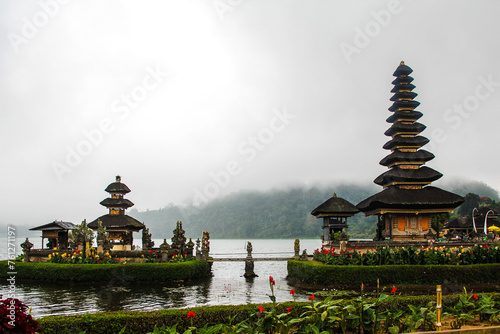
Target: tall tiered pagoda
{"type": "Point", "coordinates": [408, 202]}
{"type": "Point", "coordinates": [119, 225]}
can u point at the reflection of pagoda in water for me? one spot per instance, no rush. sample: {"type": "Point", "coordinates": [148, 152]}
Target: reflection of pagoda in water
{"type": "Point", "coordinates": [408, 202]}
{"type": "Point", "coordinates": [119, 225]}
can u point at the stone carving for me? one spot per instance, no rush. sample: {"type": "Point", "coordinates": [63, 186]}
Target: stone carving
{"type": "Point", "coordinates": [179, 240]}
{"type": "Point", "coordinates": [26, 246]}
{"type": "Point", "coordinates": [205, 244]}
{"type": "Point", "coordinates": [304, 257]}
{"type": "Point", "coordinates": [249, 265]}
{"type": "Point", "coordinates": [296, 248]}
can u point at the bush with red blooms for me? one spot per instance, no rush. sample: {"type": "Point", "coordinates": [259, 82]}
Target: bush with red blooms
{"type": "Point", "coordinates": [15, 317]}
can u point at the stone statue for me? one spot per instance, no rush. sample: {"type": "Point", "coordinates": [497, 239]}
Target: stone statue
{"type": "Point", "coordinates": [304, 257]}
{"type": "Point", "coordinates": [249, 249]}
{"type": "Point", "coordinates": [26, 246]}
{"type": "Point", "coordinates": [249, 265]}
{"type": "Point", "coordinates": [296, 248]}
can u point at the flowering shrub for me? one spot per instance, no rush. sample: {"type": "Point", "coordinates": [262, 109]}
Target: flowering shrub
{"type": "Point", "coordinates": [15, 317]}
{"type": "Point", "coordinates": [78, 258]}
{"type": "Point", "coordinates": [181, 258]}
{"type": "Point", "coordinates": [411, 256]}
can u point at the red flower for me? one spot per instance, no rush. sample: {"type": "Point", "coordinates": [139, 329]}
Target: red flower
{"type": "Point", "coordinates": [151, 251]}
{"type": "Point", "coordinates": [394, 289]}
{"type": "Point", "coordinates": [261, 309]}
{"type": "Point", "coordinates": [271, 280]}
{"type": "Point", "coordinates": [288, 309]}
{"type": "Point", "coordinates": [474, 296]}
{"type": "Point", "coordinates": [37, 259]}
{"type": "Point", "coordinates": [292, 292]}
{"type": "Point", "coordinates": [191, 314]}
{"type": "Point", "coordinates": [311, 297]}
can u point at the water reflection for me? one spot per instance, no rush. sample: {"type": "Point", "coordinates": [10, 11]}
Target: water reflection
{"type": "Point", "coordinates": [226, 287]}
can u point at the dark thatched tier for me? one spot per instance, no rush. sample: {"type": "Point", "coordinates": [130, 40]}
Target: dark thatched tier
{"type": "Point", "coordinates": [399, 127]}
{"type": "Point", "coordinates": [423, 174]}
{"type": "Point", "coordinates": [403, 95]}
{"type": "Point", "coordinates": [335, 205]}
{"type": "Point", "coordinates": [402, 86]}
{"type": "Point", "coordinates": [116, 203]}
{"type": "Point", "coordinates": [430, 198]}
{"type": "Point", "coordinates": [410, 157]}
{"type": "Point", "coordinates": [406, 141]}
{"type": "Point", "coordinates": [117, 222]}
{"type": "Point", "coordinates": [413, 115]}
{"type": "Point", "coordinates": [404, 104]}
{"type": "Point", "coordinates": [117, 188]}
{"type": "Point", "coordinates": [55, 225]}
{"type": "Point", "coordinates": [403, 70]}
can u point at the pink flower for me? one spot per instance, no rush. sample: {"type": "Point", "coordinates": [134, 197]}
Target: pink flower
{"type": "Point", "coordinates": [261, 309]}
{"type": "Point", "coordinates": [191, 314]}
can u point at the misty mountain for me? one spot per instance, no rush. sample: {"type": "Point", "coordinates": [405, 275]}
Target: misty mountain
{"type": "Point", "coordinates": [273, 214]}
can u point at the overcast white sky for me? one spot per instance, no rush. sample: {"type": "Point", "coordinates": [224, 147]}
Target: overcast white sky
{"type": "Point", "coordinates": [168, 94]}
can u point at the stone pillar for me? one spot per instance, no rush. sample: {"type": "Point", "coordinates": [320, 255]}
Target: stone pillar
{"type": "Point", "coordinates": [164, 249]}
{"type": "Point", "coordinates": [198, 251]}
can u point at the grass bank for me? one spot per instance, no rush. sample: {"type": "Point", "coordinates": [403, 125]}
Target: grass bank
{"type": "Point", "coordinates": [131, 272]}
{"type": "Point", "coordinates": [317, 273]}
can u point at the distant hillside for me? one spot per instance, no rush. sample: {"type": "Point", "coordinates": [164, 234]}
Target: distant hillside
{"type": "Point", "coordinates": [273, 214]}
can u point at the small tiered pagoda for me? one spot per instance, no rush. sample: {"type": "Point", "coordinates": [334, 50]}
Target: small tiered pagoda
{"type": "Point", "coordinates": [334, 212]}
{"type": "Point", "coordinates": [119, 225]}
{"type": "Point", "coordinates": [408, 201]}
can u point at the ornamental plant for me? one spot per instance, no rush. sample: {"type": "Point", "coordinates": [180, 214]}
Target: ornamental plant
{"type": "Point", "coordinates": [411, 256]}
{"type": "Point", "coordinates": [15, 317]}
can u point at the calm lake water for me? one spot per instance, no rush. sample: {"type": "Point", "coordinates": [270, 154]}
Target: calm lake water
{"type": "Point", "coordinates": [226, 287]}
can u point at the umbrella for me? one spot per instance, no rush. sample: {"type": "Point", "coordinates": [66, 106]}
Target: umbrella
{"type": "Point", "coordinates": [493, 228]}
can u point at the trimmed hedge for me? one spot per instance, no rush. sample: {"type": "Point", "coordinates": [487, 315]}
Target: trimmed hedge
{"type": "Point", "coordinates": [317, 273]}
{"type": "Point", "coordinates": [131, 272]}
{"type": "Point", "coordinates": [143, 322]}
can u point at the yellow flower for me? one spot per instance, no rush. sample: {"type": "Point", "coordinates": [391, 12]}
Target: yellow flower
{"type": "Point", "coordinates": [50, 255]}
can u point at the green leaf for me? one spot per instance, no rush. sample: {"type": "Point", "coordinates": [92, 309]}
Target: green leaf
{"type": "Point", "coordinates": [324, 315]}
{"type": "Point", "coordinates": [352, 316]}
{"type": "Point", "coordinates": [394, 330]}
